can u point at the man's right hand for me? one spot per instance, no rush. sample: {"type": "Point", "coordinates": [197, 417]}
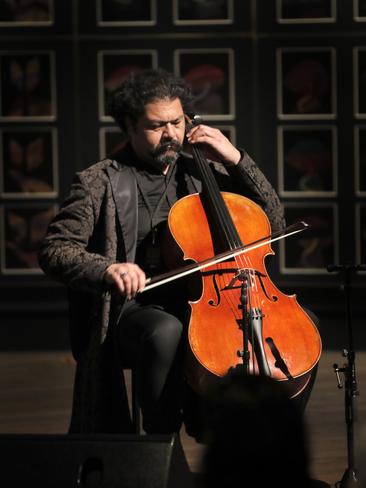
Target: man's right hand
{"type": "Point", "coordinates": [128, 277]}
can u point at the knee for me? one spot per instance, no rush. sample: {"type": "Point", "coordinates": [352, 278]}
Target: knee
{"type": "Point", "coordinates": [165, 332]}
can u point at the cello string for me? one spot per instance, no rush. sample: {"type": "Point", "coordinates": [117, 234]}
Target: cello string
{"type": "Point", "coordinates": [216, 200]}
{"type": "Point", "coordinates": [231, 237]}
{"type": "Point", "coordinates": [223, 215]}
{"type": "Point", "coordinates": [252, 288]}
{"type": "Point", "coordinates": [251, 329]}
{"type": "Point", "coordinates": [226, 224]}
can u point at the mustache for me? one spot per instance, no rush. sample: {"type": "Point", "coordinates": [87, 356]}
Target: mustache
{"type": "Point", "coordinates": [164, 146]}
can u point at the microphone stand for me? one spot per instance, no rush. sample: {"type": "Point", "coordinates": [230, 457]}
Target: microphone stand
{"type": "Point", "coordinates": [349, 478]}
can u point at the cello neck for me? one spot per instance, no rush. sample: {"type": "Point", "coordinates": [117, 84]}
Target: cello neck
{"type": "Point", "coordinates": [216, 210]}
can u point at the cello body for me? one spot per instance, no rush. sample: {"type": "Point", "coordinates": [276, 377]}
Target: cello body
{"type": "Point", "coordinates": [286, 342]}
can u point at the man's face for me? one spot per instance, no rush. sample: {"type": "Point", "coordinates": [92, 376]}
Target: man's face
{"type": "Point", "coordinates": [158, 135]}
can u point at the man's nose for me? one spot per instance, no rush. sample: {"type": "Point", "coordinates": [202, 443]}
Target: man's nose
{"type": "Point", "coordinates": [169, 131]}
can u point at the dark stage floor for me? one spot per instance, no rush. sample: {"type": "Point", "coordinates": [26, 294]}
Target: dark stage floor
{"type": "Point", "coordinates": [36, 389]}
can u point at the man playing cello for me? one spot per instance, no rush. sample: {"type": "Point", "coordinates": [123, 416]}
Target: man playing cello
{"type": "Point", "coordinates": [106, 240]}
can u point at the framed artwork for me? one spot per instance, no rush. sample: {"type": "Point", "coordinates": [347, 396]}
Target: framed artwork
{"type": "Point", "coordinates": [203, 12]}
{"type": "Point", "coordinates": [359, 10]}
{"type": "Point", "coordinates": [313, 249]}
{"type": "Point", "coordinates": [23, 228]}
{"type": "Point", "coordinates": [361, 233]}
{"type": "Point", "coordinates": [114, 67]}
{"type": "Point", "coordinates": [210, 73]}
{"type": "Point", "coordinates": [28, 162]}
{"type": "Point", "coordinates": [306, 83]}
{"type": "Point", "coordinates": [114, 13]}
{"type": "Point", "coordinates": [359, 80]}
{"type": "Point", "coordinates": [305, 11]}
{"type": "Point", "coordinates": [27, 86]}
{"type": "Point", "coordinates": [360, 160]}
{"type": "Point", "coordinates": [31, 13]}
{"type": "Point", "coordinates": [307, 161]}
{"type": "Point", "coordinates": [111, 141]}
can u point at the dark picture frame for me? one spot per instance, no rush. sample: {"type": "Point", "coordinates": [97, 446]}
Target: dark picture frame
{"type": "Point", "coordinates": [359, 10]}
{"type": "Point", "coordinates": [307, 161]}
{"type": "Point", "coordinates": [134, 13]}
{"type": "Point", "coordinates": [306, 83]}
{"type": "Point", "coordinates": [210, 73]}
{"type": "Point", "coordinates": [305, 12]}
{"type": "Point", "coordinates": [36, 13]}
{"type": "Point", "coordinates": [28, 163]}
{"type": "Point", "coordinates": [194, 12]}
{"type": "Point", "coordinates": [111, 141]}
{"type": "Point", "coordinates": [359, 82]}
{"type": "Point", "coordinates": [27, 86]}
{"type": "Point", "coordinates": [114, 66]}
{"type": "Point", "coordinates": [361, 233]}
{"type": "Point", "coordinates": [360, 160]}
{"type": "Point", "coordinates": [312, 250]}
{"type": "Point", "coordinates": [23, 228]}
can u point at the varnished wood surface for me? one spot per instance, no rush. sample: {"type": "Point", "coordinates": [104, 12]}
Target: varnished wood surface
{"type": "Point", "coordinates": [36, 392]}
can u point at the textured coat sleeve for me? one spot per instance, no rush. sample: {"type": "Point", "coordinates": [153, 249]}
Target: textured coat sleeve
{"type": "Point", "coordinates": [67, 253]}
{"type": "Point", "coordinates": [249, 179]}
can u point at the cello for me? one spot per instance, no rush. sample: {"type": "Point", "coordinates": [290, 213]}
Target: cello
{"type": "Point", "coordinates": [240, 315]}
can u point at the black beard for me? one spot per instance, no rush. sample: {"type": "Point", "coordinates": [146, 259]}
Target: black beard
{"type": "Point", "coordinates": [162, 157]}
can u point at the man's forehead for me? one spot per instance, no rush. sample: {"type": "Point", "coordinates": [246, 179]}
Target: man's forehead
{"type": "Point", "coordinates": [164, 109]}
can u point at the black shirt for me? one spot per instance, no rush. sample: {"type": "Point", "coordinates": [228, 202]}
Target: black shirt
{"type": "Point", "coordinates": [157, 193]}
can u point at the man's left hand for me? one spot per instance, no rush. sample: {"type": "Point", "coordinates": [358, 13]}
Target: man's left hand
{"type": "Point", "coordinates": [216, 146]}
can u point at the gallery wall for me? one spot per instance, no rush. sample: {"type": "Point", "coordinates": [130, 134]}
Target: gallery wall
{"type": "Point", "coordinates": [286, 80]}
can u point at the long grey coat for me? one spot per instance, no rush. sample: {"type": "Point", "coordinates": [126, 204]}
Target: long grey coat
{"type": "Point", "coordinates": [96, 227]}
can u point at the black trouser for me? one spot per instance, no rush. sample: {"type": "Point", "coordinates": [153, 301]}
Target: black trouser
{"type": "Point", "coordinates": [150, 339]}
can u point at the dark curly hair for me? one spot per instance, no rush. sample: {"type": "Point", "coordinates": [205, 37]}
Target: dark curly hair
{"type": "Point", "coordinates": [138, 89]}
